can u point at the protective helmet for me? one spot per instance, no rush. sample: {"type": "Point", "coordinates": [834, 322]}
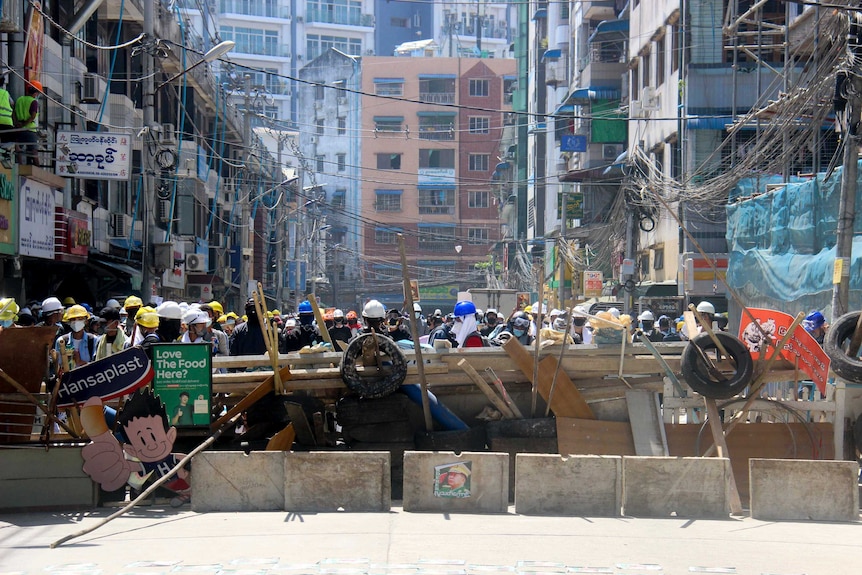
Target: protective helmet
{"type": "Point", "coordinates": [113, 304]}
{"type": "Point", "coordinates": [51, 305]}
{"type": "Point", "coordinates": [196, 316]}
{"type": "Point", "coordinates": [374, 310]}
{"type": "Point", "coordinates": [142, 310]}
{"type": "Point", "coordinates": [812, 321]}
{"type": "Point", "coordinates": [69, 301]}
{"type": "Point", "coordinates": [305, 307]}
{"type": "Point", "coordinates": [276, 312]}
{"type": "Point", "coordinates": [554, 312]}
{"type": "Point", "coordinates": [528, 309]}
{"type": "Point", "coordinates": [352, 315]}
{"type": "Point", "coordinates": [170, 310]}
{"type": "Point", "coordinates": [133, 301]}
{"type": "Point", "coordinates": [9, 308]}
{"type": "Point", "coordinates": [417, 307]}
{"type": "Point", "coordinates": [221, 319]}
{"type": "Point", "coordinates": [77, 312]}
{"type": "Point", "coordinates": [646, 316]}
{"type": "Point", "coordinates": [491, 310]}
{"type": "Point", "coordinates": [37, 85]}
{"type": "Point", "coordinates": [290, 322]}
{"type": "Point", "coordinates": [463, 308]}
{"type": "Point", "coordinates": [148, 319]}
{"type": "Point", "coordinates": [520, 320]}
{"type": "Point", "coordinates": [216, 307]}
{"type": "Point", "coordinates": [579, 311]}
{"type": "Point", "coordinates": [338, 314]}
{"type": "Point", "coordinates": [231, 315]}
{"type": "Point", "coordinates": [614, 312]}
{"type": "Point", "coordinates": [705, 307]}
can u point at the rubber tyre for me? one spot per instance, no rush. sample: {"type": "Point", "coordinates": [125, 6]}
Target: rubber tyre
{"type": "Point", "coordinates": [837, 338]}
{"type": "Point", "coordinates": [698, 377]}
{"type": "Point", "coordinates": [372, 387]}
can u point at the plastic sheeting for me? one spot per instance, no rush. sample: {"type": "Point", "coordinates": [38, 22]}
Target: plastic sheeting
{"type": "Point", "coordinates": [782, 244]}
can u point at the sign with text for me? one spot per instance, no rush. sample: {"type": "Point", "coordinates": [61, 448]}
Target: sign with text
{"type": "Point", "coordinates": [573, 143]}
{"type": "Point", "coordinates": [108, 378]}
{"type": "Point", "coordinates": [94, 155]}
{"type": "Point", "coordinates": [36, 220]}
{"type": "Point", "coordinates": [801, 348]}
{"type": "Point", "coordinates": [183, 381]}
{"type": "Point", "coordinates": [593, 283]}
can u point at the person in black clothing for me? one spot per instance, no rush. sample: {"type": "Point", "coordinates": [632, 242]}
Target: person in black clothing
{"type": "Point", "coordinates": [440, 331]}
{"type": "Point", "coordinates": [305, 333]}
{"type": "Point", "coordinates": [395, 325]}
{"type": "Point", "coordinates": [247, 338]}
{"type": "Point", "coordinates": [491, 319]}
{"type": "Point", "coordinates": [339, 331]}
{"type": "Point", "coordinates": [664, 329]}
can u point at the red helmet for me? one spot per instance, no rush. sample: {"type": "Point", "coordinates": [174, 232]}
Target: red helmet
{"type": "Point", "coordinates": [37, 85]}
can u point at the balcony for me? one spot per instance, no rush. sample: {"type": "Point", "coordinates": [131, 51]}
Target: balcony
{"type": "Point", "coordinates": [245, 8]}
{"type": "Point", "coordinates": [338, 17]}
{"type": "Point", "coordinates": [437, 97]}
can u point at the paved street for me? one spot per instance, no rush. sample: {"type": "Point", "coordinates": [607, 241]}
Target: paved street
{"type": "Point", "coordinates": [154, 540]}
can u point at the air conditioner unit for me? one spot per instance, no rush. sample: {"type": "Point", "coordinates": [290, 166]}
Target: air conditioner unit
{"type": "Point", "coordinates": [318, 105]}
{"type": "Point", "coordinates": [169, 134]}
{"type": "Point", "coordinates": [195, 291]}
{"type": "Point", "coordinates": [119, 226]}
{"type": "Point", "coordinates": [163, 209]}
{"type": "Point", "coordinates": [636, 110]}
{"type": "Point", "coordinates": [313, 139]}
{"type": "Point", "coordinates": [92, 89]}
{"type": "Point", "coordinates": [649, 99]}
{"type": "Point", "coordinates": [196, 263]}
{"type": "Point", "coordinates": [611, 152]}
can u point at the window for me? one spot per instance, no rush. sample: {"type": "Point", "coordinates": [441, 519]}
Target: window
{"type": "Point", "coordinates": [385, 236]}
{"type": "Point", "coordinates": [437, 90]}
{"type": "Point", "coordinates": [674, 47]}
{"type": "Point", "coordinates": [389, 88]}
{"type": "Point", "coordinates": [342, 161]}
{"type": "Point", "coordinates": [477, 236]}
{"type": "Point", "coordinates": [480, 124]}
{"type": "Point", "coordinates": [319, 125]}
{"type": "Point", "coordinates": [509, 85]}
{"type": "Point", "coordinates": [479, 88]}
{"type": "Point", "coordinates": [436, 158]}
{"type": "Point", "coordinates": [389, 123]}
{"type": "Point", "coordinates": [646, 69]}
{"type": "Point", "coordinates": [478, 199]}
{"type": "Point", "coordinates": [434, 269]}
{"type": "Point", "coordinates": [635, 83]}
{"type": "Point", "coordinates": [338, 198]}
{"type": "Point", "coordinates": [437, 127]}
{"type": "Point", "coordinates": [319, 92]}
{"type": "Point", "coordinates": [342, 126]}
{"type": "Point", "coordinates": [387, 200]}
{"type": "Point", "coordinates": [388, 161]}
{"type": "Point", "coordinates": [436, 201]}
{"type": "Point", "coordinates": [660, 57]}
{"type": "Point", "coordinates": [436, 238]}
{"type": "Point", "coordinates": [478, 163]}
{"type": "Point", "coordinates": [658, 259]}
{"type": "Point", "coordinates": [251, 40]}
{"type": "Point", "coordinates": [318, 44]}
{"type": "Point", "coordinates": [399, 22]}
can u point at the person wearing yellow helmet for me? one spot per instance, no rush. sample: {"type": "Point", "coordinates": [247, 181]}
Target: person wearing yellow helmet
{"type": "Point", "coordinates": [132, 304]}
{"type": "Point", "coordinates": [79, 346]}
{"type": "Point", "coordinates": [113, 339]}
{"type": "Point", "coordinates": [8, 312]}
{"type": "Point", "coordinates": [216, 306]}
{"type": "Point", "coordinates": [215, 330]}
{"type": "Point", "coordinates": [228, 323]}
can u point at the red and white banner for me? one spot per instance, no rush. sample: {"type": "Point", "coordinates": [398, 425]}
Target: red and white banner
{"type": "Point", "coordinates": [801, 346]}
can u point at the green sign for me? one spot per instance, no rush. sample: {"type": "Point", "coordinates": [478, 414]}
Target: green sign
{"type": "Point", "coordinates": [439, 293]}
{"type": "Point", "coordinates": [183, 381]}
{"type": "Point", "coordinates": [574, 205]}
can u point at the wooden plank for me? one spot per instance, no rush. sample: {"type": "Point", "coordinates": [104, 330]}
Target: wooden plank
{"type": "Point", "coordinates": [483, 386]}
{"type": "Point", "coordinates": [567, 400]}
{"type": "Point", "coordinates": [594, 437]}
{"type": "Point", "coordinates": [714, 421]}
{"type": "Point", "coordinates": [283, 440]}
{"type": "Point", "coordinates": [646, 424]}
{"type": "Point", "coordinates": [303, 430]}
{"type": "Point", "coordinates": [756, 440]}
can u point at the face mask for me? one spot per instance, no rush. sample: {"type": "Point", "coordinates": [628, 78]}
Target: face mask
{"type": "Point", "coordinates": [339, 322]}
{"type": "Point", "coordinates": [519, 332]}
{"type": "Point", "coordinates": [491, 320]}
{"type": "Point", "coordinates": [77, 325]}
{"type": "Point", "coordinates": [579, 321]}
{"type": "Point", "coordinates": [5, 322]}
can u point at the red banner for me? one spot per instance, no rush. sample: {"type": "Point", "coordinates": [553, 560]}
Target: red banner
{"type": "Point", "coordinates": [34, 43]}
{"type": "Point", "coordinates": [801, 346]}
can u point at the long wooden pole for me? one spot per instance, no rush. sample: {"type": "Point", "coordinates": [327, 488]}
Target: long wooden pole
{"type": "Point", "coordinates": [414, 332]}
{"type": "Point", "coordinates": [535, 390]}
{"type": "Point", "coordinates": [270, 339]}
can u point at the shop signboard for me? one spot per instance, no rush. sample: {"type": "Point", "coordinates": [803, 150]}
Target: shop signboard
{"type": "Point", "coordinates": [183, 381]}
{"type": "Point", "coordinates": [94, 155]}
{"type": "Point", "coordinates": [36, 220]}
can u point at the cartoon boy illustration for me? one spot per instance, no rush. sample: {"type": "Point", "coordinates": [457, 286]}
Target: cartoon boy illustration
{"type": "Point", "coordinates": [149, 439]}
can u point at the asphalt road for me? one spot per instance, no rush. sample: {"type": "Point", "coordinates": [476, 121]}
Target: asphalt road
{"type": "Point", "coordinates": [155, 540]}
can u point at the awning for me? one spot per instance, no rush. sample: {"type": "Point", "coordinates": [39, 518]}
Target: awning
{"type": "Point", "coordinates": [565, 109]}
{"type": "Point", "coordinates": [555, 54]}
{"type": "Point", "coordinates": [540, 14]}
{"type": "Point", "coordinates": [437, 76]}
{"type": "Point", "coordinates": [388, 80]}
{"type": "Point", "coordinates": [434, 225]}
{"type": "Point", "coordinates": [388, 192]}
{"type": "Point", "coordinates": [713, 123]}
{"type": "Point", "coordinates": [584, 96]}
{"type": "Point", "coordinates": [610, 30]}
{"type": "Point", "coordinates": [435, 186]}
{"type": "Point", "coordinates": [388, 118]}
{"type": "Point", "coordinates": [117, 267]}
{"type": "Point", "coordinates": [427, 114]}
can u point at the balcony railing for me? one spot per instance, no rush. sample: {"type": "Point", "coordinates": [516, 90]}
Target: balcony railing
{"type": "Point", "coordinates": [323, 16]}
{"type": "Point", "coordinates": [437, 97]}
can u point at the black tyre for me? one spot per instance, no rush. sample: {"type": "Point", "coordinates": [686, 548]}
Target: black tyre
{"type": "Point", "coordinates": [700, 378]}
{"type": "Point", "coordinates": [369, 381]}
{"type": "Point", "coordinates": [837, 339]}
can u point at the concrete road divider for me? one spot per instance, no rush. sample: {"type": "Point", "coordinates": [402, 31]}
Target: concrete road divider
{"type": "Point", "coordinates": [39, 479]}
{"type": "Point", "coordinates": [234, 481]}
{"type": "Point", "coordinates": [574, 485]}
{"type": "Point", "coordinates": [472, 482]}
{"type": "Point", "coordinates": [804, 490]}
{"type": "Point", "coordinates": [321, 481]}
{"type": "Point", "coordinates": [681, 486]}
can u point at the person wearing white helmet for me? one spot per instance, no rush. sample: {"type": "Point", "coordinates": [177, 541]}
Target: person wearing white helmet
{"type": "Point", "coordinates": [52, 314]}
{"type": "Point", "coordinates": [647, 328]}
{"type": "Point", "coordinates": [170, 321]}
{"type": "Point", "coordinates": [339, 331]}
{"type": "Point", "coordinates": [113, 304]}
{"type": "Point", "coordinates": [706, 311]}
{"type": "Point", "coordinates": [580, 330]}
{"type": "Point", "coordinates": [197, 321]}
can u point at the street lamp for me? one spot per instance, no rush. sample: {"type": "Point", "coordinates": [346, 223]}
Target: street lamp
{"type": "Point", "coordinates": [212, 54]}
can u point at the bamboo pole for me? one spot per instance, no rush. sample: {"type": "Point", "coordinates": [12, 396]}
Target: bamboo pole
{"type": "Point", "coordinates": [534, 394]}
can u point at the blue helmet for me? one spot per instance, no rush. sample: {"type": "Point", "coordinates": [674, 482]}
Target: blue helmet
{"type": "Point", "coordinates": [305, 307]}
{"type": "Point", "coordinates": [463, 308]}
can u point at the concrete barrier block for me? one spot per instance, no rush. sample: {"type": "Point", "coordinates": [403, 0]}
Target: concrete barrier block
{"type": "Point", "coordinates": [321, 481]}
{"type": "Point", "coordinates": [575, 485]}
{"type": "Point", "coordinates": [681, 486]}
{"type": "Point", "coordinates": [38, 479]}
{"type": "Point", "coordinates": [472, 482]}
{"type": "Point", "coordinates": [234, 481]}
{"type": "Point", "coordinates": [804, 489]}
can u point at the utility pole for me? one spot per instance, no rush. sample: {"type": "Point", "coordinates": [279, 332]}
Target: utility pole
{"type": "Point", "coordinates": [281, 229]}
{"type": "Point", "coordinates": [148, 90]}
{"type": "Point", "coordinates": [847, 201]}
{"type": "Point", "coordinates": [245, 199]}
